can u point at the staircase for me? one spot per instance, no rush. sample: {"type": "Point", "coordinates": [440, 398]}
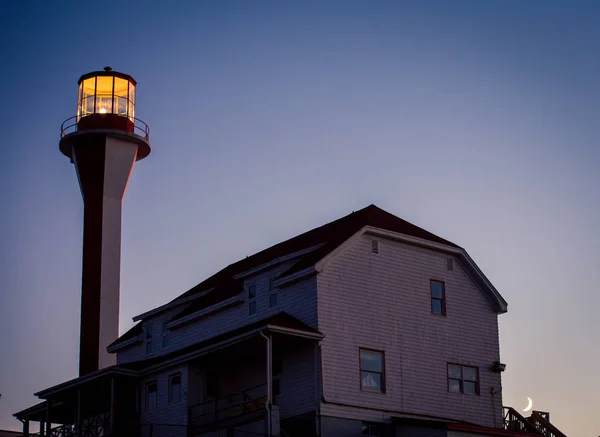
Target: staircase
{"type": "Point", "coordinates": [538, 423]}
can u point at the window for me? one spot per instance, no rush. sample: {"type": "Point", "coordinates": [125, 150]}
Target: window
{"type": "Point", "coordinates": [372, 371]}
{"type": "Point", "coordinates": [277, 369]}
{"type": "Point", "coordinates": [252, 299]}
{"type": "Point", "coordinates": [438, 297]}
{"type": "Point", "coordinates": [463, 379]}
{"type": "Point", "coordinates": [273, 298]}
{"type": "Point", "coordinates": [149, 334]}
{"type": "Point", "coordinates": [374, 246]}
{"type": "Point", "coordinates": [450, 264]}
{"type": "Point", "coordinates": [165, 335]}
{"type": "Point", "coordinates": [175, 388]}
{"type": "Point", "coordinates": [151, 395]}
{"type": "Point", "coordinates": [371, 429]}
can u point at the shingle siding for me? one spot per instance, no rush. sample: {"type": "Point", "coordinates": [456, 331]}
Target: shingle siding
{"type": "Point", "coordinates": [383, 302]}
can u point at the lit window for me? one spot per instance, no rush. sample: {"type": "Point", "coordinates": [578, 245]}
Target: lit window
{"type": "Point", "coordinates": [151, 395]}
{"type": "Point", "coordinates": [463, 379]}
{"type": "Point", "coordinates": [175, 388]}
{"type": "Point", "coordinates": [372, 371]}
{"type": "Point", "coordinates": [438, 298]}
{"type": "Point", "coordinates": [273, 298]}
{"type": "Point", "coordinates": [252, 299]}
{"type": "Point", "coordinates": [371, 429]}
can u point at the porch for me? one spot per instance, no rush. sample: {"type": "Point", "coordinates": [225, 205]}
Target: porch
{"type": "Point", "coordinates": [101, 404]}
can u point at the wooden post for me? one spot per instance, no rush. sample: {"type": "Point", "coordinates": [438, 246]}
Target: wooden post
{"type": "Point", "coordinates": [113, 402]}
{"type": "Point", "coordinates": [42, 426]}
{"type": "Point", "coordinates": [78, 419]}
{"type": "Point", "coordinates": [48, 420]}
{"type": "Point", "coordinates": [26, 428]}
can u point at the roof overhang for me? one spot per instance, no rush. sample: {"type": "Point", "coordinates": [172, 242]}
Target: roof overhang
{"type": "Point", "coordinates": [82, 380]}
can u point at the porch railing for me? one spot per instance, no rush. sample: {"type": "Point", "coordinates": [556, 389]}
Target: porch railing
{"type": "Point", "coordinates": [94, 426]}
{"type": "Point", "coordinates": [227, 407]}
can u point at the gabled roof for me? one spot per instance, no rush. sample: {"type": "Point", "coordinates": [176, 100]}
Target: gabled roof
{"type": "Point", "coordinates": [226, 283]}
{"type": "Point", "coordinates": [330, 236]}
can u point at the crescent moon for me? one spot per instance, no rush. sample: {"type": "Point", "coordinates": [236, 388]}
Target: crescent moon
{"type": "Point", "coordinates": [528, 406]}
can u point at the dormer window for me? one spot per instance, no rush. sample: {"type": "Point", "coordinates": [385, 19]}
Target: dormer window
{"type": "Point", "coordinates": [252, 299]}
{"type": "Point", "coordinates": [149, 335]}
{"type": "Point", "coordinates": [166, 341]}
{"type": "Point", "coordinates": [273, 297]}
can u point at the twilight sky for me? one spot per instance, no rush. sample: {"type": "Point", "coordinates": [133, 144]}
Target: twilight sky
{"type": "Point", "coordinates": [477, 120]}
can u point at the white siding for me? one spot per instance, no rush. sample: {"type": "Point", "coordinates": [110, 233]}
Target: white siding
{"type": "Point", "coordinates": [383, 302]}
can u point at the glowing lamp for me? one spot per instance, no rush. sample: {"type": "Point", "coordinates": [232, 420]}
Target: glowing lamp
{"type": "Point", "coordinates": [105, 105]}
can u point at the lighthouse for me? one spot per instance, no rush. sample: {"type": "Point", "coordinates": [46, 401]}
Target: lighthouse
{"type": "Point", "coordinates": [103, 141]}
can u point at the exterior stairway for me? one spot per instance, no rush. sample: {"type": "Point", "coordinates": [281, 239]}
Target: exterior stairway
{"type": "Point", "coordinates": [537, 423]}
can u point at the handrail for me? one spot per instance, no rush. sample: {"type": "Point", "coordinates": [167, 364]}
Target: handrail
{"type": "Point", "coordinates": [69, 126]}
{"type": "Point", "coordinates": [513, 421]}
{"type": "Point", "coordinates": [544, 426]}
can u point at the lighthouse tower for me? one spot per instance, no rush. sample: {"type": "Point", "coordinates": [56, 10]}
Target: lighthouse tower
{"type": "Point", "coordinates": [103, 141]}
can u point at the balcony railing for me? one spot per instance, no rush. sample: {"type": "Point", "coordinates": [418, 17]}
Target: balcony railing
{"type": "Point", "coordinates": [140, 128]}
{"type": "Point", "coordinates": [95, 426]}
{"type": "Point", "coordinates": [227, 407]}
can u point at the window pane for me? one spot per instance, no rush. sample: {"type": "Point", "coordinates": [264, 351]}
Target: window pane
{"type": "Point", "coordinates": [454, 385]}
{"type": "Point", "coordinates": [151, 390]}
{"type": "Point", "coordinates": [365, 429]}
{"type": "Point", "coordinates": [370, 360]}
{"type": "Point", "coordinates": [252, 292]}
{"type": "Point", "coordinates": [470, 373]}
{"type": "Point", "coordinates": [273, 300]}
{"type": "Point", "coordinates": [271, 281]}
{"type": "Point", "coordinates": [166, 341]}
{"type": "Point", "coordinates": [454, 372]}
{"type": "Point", "coordinates": [175, 389]}
{"type": "Point", "coordinates": [437, 289]}
{"type": "Point", "coordinates": [436, 306]}
{"type": "Point", "coordinates": [149, 347]}
{"type": "Point", "coordinates": [371, 381]}
{"type": "Point", "coordinates": [252, 308]}
{"type": "Point", "coordinates": [149, 332]}
{"type": "Point", "coordinates": [470, 387]}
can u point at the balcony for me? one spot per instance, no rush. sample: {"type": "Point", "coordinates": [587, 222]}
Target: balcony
{"type": "Point", "coordinates": [236, 408]}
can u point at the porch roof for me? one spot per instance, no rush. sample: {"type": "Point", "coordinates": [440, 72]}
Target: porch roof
{"type": "Point", "coordinates": [280, 323]}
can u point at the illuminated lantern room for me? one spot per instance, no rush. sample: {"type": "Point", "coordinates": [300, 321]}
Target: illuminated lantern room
{"type": "Point", "coordinates": [106, 100]}
{"type": "Point", "coordinates": [105, 105]}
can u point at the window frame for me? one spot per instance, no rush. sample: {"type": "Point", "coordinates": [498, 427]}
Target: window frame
{"type": "Point", "coordinates": [149, 341]}
{"type": "Point", "coordinates": [442, 300]}
{"type": "Point", "coordinates": [360, 370]}
{"type": "Point", "coordinates": [272, 291]}
{"type": "Point", "coordinates": [375, 246]}
{"type": "Point", "coordinates": [171, 377]}
{"type": "Point", "coordinates": [462, 379]}
{"type": "Point", "coordinates": [165, 335]}
{"type": "Point", "coordinates": [147, 396]}
{"type": "Point", "coordinates": [253, 300]}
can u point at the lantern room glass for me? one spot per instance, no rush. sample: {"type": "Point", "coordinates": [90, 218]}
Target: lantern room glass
{"type": "Point", "coordinates": [106, 94]}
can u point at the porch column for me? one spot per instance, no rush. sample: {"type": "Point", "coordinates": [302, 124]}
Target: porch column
{"type": "Point", "coordinates": [26, 428]}
{"type": "Point", "coordinates": [42, 430]}
{"type": "Point", "coordinates": [113, 406]}
{"type": "Point", "coordinates": [78, 419]}
{"type": "Point", "coordinates": [48, 420]}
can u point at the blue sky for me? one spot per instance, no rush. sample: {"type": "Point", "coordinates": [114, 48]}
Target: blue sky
{"type": "Point", "coordinates": [475, 120]}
